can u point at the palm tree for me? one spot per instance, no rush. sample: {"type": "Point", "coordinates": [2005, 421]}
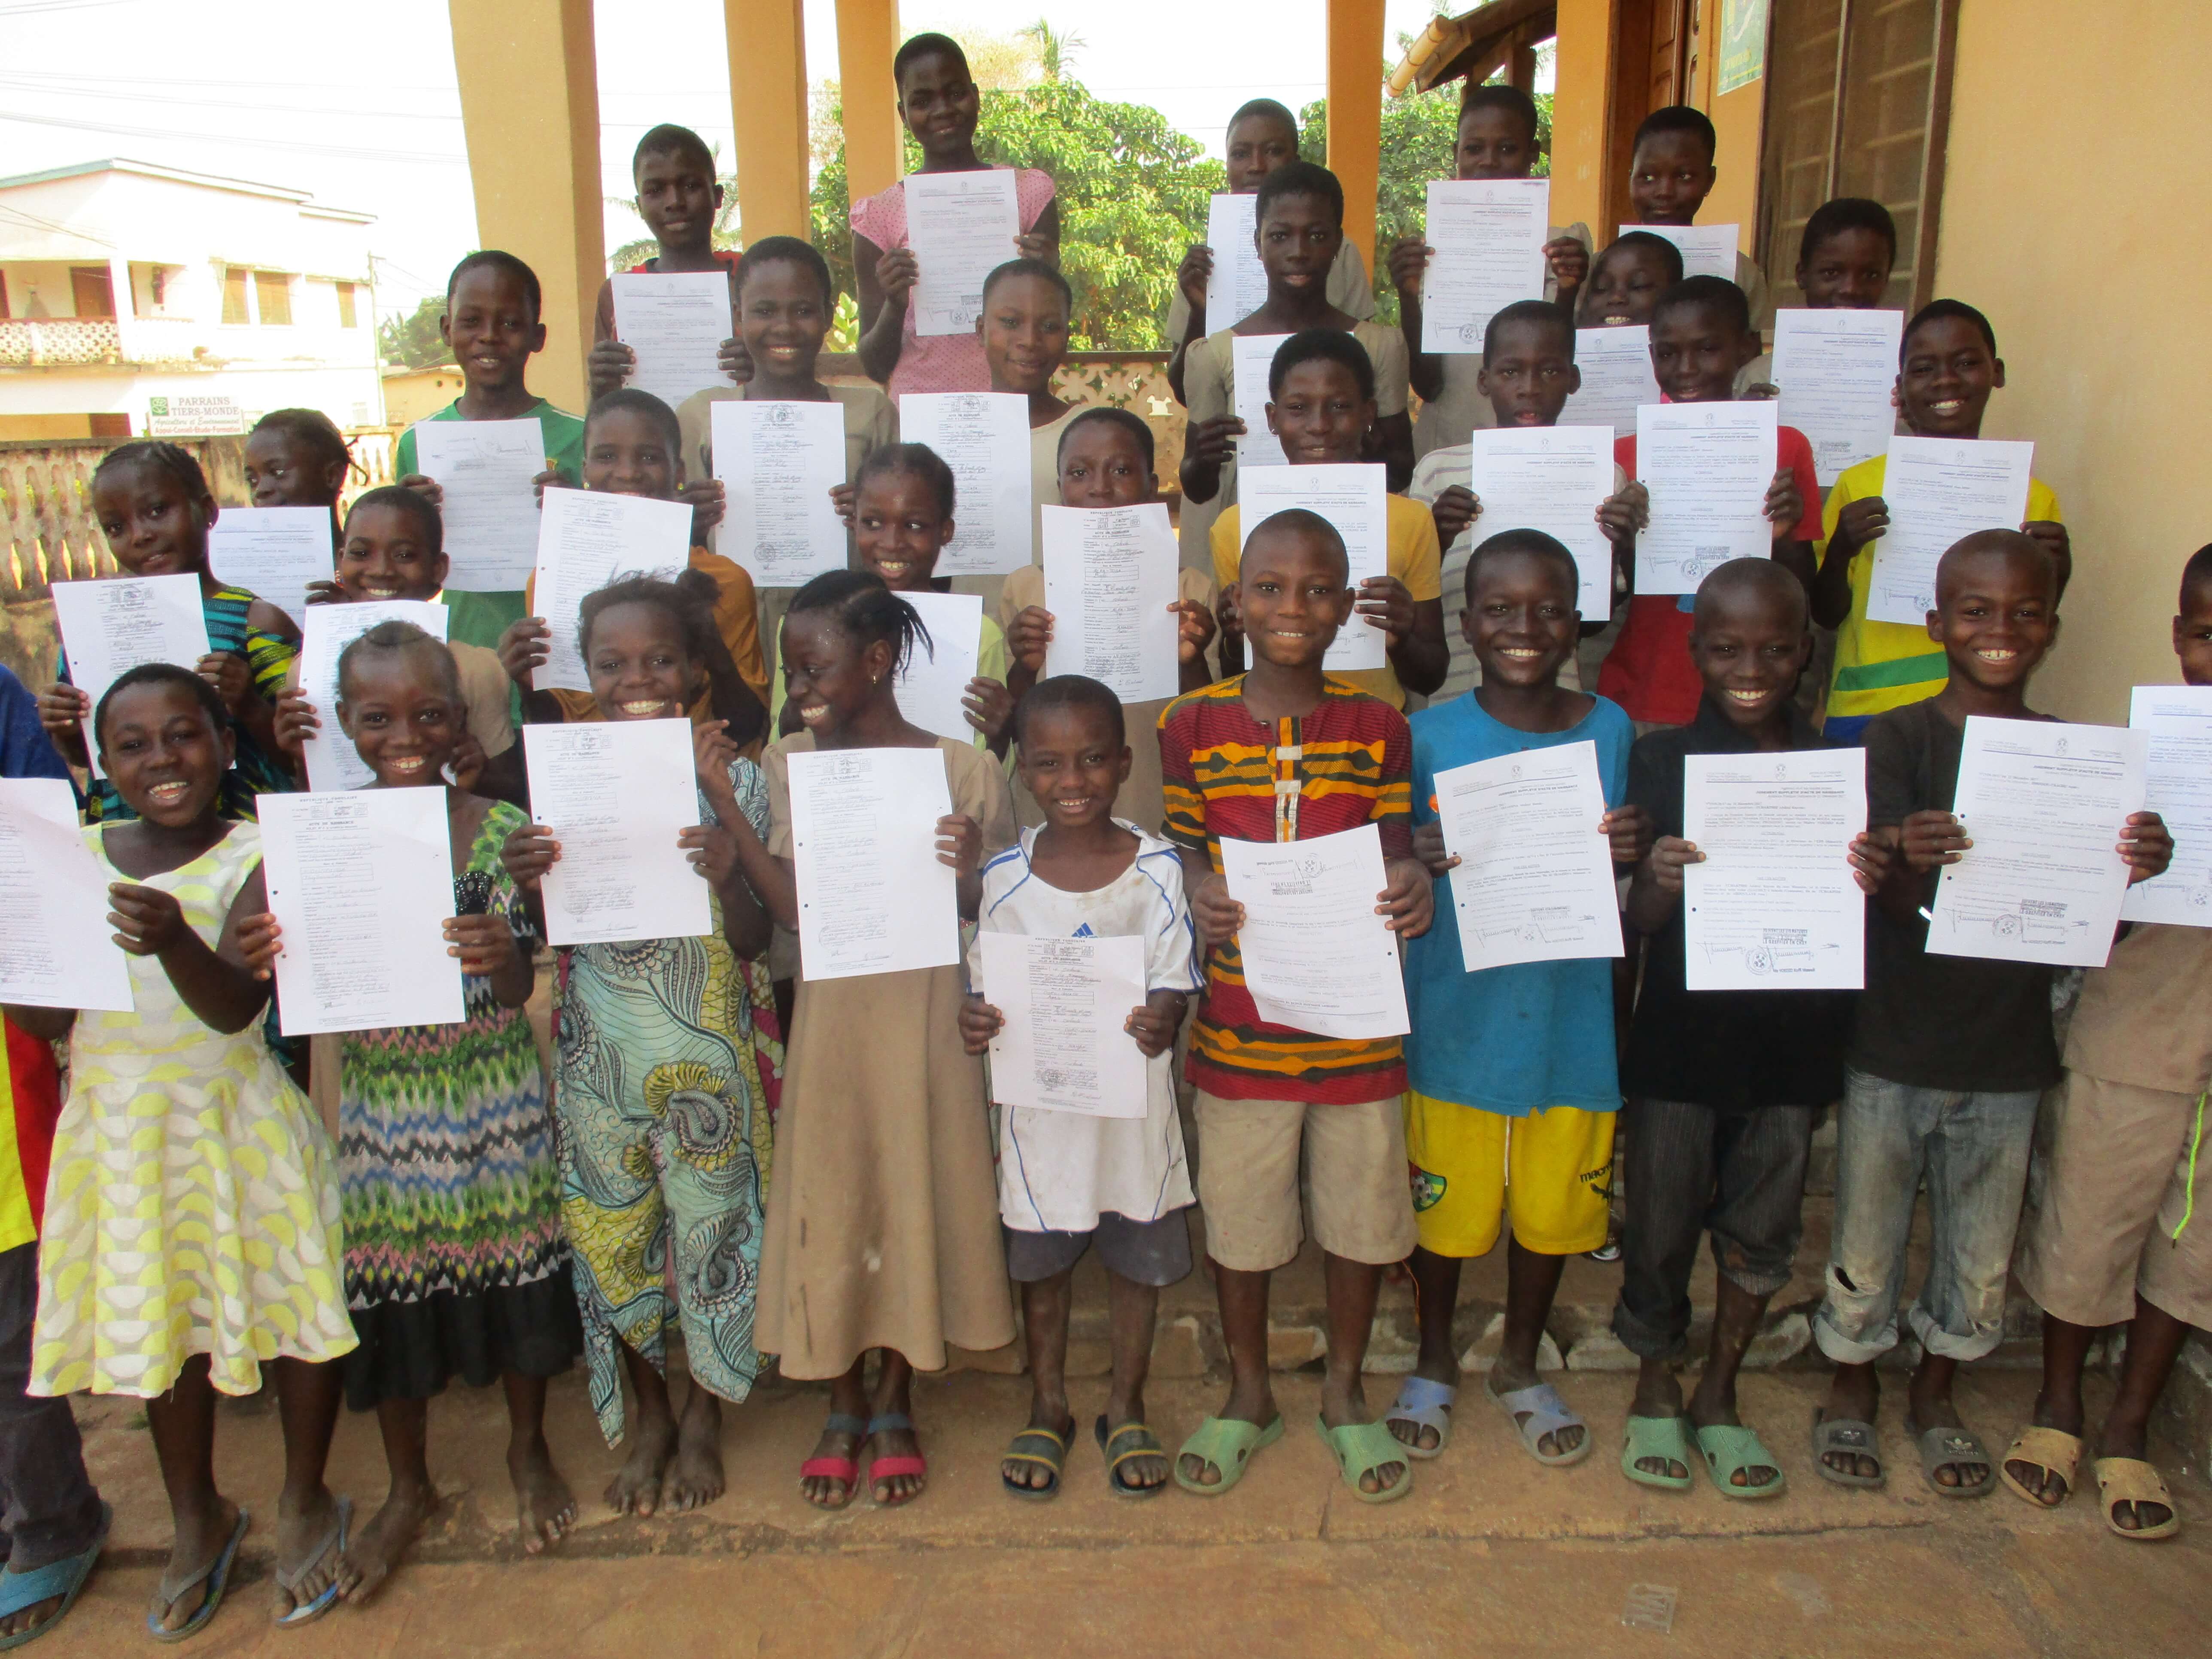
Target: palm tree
{"type": "Point", "coordinates": [1055, 51]}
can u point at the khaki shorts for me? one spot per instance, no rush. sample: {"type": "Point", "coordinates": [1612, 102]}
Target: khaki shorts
{"type": "Point", "coordinates": [2109, 1190]}
{"type": "Point", "coordinates": [1354, 1159]}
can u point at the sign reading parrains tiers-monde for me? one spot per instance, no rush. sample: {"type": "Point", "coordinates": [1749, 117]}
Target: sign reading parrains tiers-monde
{"type": "Point", "coordinates": [197, 416]}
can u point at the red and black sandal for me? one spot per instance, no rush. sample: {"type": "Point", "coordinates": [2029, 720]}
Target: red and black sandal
{"type": "Point", "coordinates": [845, 1471]}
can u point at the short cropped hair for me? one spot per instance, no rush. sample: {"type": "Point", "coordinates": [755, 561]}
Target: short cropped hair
{"type": "Point", "coordinates": [1028, 267]}
{"type": "Point", "coordinates": [1678, 118]}
{"type": "Point", "coordinates": [928, 45]}
{"type": "Point", "coordinates": [1299, 521]}
{"type": "Point", "coordinates": [1936, 311]}
{"type": "Point", "coordinates": [1265, 108]}
{"type": "Point", "coordinates": [161, 673]}
{"type": "Point", "coordinates": [1534, 544]}
{"type": "Point", "coordinates": [1762, 576]}
{"type": "Point", "coordinates": [668, 139]}
{"type": "Point", "coordinates": [429, 523]}
{"type": "Point", "coordinates": [1714, 293]}
{"type": "Point", "coordinates": [917, 460]}
{"type": "Point", "coordinates": [1670, 256]}
{"type": "Point", "coordinates": [508, 265]}
{"type": "Point", "coordinates": [786, 250]}
{"type": "Point", "coordinates": [1846, 213]}
{"type": "Point", "coordinates": [1317, 345]}
{"type": "Point", "coordinates": [1537, 313]}
{"type": "Point", "coordinates": [1299, 179]}
{"type": "Point", "coordinates": [1128, 421]}
{"type": "Point", "coordinates": [2197, 573]}
{"type": "Point", "coordinates": [1498, 95]}
{"type": "Point", "coordinates": [1070, 691]}
{"type": "Point", "coordinates": [395, 638]}
{"type": "Point", "coordinates": [2007, 544]}
{"type": "Point", "coordinates": [636, 400]}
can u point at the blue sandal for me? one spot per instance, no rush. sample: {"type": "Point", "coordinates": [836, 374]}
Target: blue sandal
{"type": "Point", "coordinates": [216, 1576]}
{"type": "Point", "coordinates": [1425, 1405]}
{"type": "Point", "coordinates": [64, 1579]}
{"type": "Point", "coordinates": [1545, 1413]}
{"type": "Point", "coordinates": [334, 1543]}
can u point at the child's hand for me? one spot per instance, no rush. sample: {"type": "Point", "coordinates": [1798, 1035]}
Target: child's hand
{"type": "Point", "coordinates": [712, 851]}
{"type": "Point", "coordinates": [1667, 855]}
{"type": "Point", "coordinates": [1760, 391]}
{"type": "Point", "coordinates": [232, 680]}
{"type": "Point", "coordinates": [1623, 516]}
{"type": "Point", "coordinates": [708, 502]}
{"type": "Point", "coordinates": [1029, 635]}
{"type": "Point", "coordinates": [1456, 508]}
{"type": "Point", "coordinates": [425, 486]}
{"type": "Point", "coordinates": [608, 366]}
{"type": "Point", "coordinates": [1785, 506]}
{"type": "Point", "coordinates": [296, 721]}
{"type": "Point", "coordinates": [1629, 829]}
{"type": "Point", "coordinates": [1860, 522]}
{"type": "Point", "coordinates": [734, 360]}
{"type": "Point", "coordinates": [1429, 848]}
{"type": "Point", "coordinates": [1218, 915]}
{"type": "Point", "coordinates": [1407, 898]}
{"type": "Point", "coordinates": [1409, 263]}
{"type": "Point", "coordinates": [959, 842]}
{"type": "Point", "coordinates": [713, 753]}
{"type": "Point", "coordinates": [841, 500]}
{"type": "Point", "coordinates": [1932, 839]}
{"type": "Point", "coordinates": [525, 647]}
{"type": "Point", "coordinates": [63, 710]}
{"type": "Point", "coordinates": [1212, 442]}
{"type": "Point", "coordinates": [2145, 846]}
{"type": "Point", "coordinates": [1154, 1028]}
{"type": "Point", "coordinates": [528, 854]}
{"type": "Point", "coordinates": [146, 920]}
{"type": "Point", "coordinates": [1193, 630]}
{"type": "Point", "coordinates": [1229, 613]}
{"type": "Point", "coordinates": [260, 942]}
{"type": "Point", "coordinates": [484, 944]}
{"type": "Point", "coordinates": [1036, 245]}
{"type": "Point", "coordinates": [897, 274]}
{"type": "Point", "coordinates": [1194, 273]}
{"type": "Point", "coordinates": [2052, 534]}
{"type": "Point", "coordinates": [327, 593]}
{"type": "Point", "coordinates": [467, 762]}
{"type": "Point", "coordinates": [1872, 859]}
{"type": "Point", "coordinates": [551, 478]}
{"type": "Point", "coordinates": [990, 706]}
{"type": "Point", "coordinates": [979, 1022]}
{"type": "Point", "coordinates": [1386, 601]}
{"type": "Point", "coordinates": [1569, 264]}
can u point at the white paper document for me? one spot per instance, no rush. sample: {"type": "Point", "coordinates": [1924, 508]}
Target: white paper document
{"type": "Point", "coordinates": [1938, 492]}
{"type": "Point", "coordinates": [1063, 1047]}
{"type": "Point", "coordinates": [961, 228]}
{"type": "Point", "coordinates": [934, 677]}
{"type": "Point", "coordinates": [1836, 371]}
{"type": "Point", "coordinates": [273, 553]}
{"type": "Point", "coordinates": [872, 897]}
{"type": "Point", "coordinates": [361, 885]}
{"type": "Point", "coordinates": [2178, 778]}
{"type": "Point", "coordinates": [1773, 906]}
{"type": "Point", "coordinates": [1488, 237]}
{"type": "Point", "coordinates": [333, 763]}
{"type": "Point", "coordinates": [1238, 285]}
{"type": "Point", "coordinates": [56, 949]}
{"type": "Point", "coordinates": [616, 795]}
{"type": "Point", "coordinates": [778, 462]}
{"type": "Point", "coordinates": [1708, 468]}
{"type": "Point", "coordinates": [1707, 249]}
{"type": "Point", "coordinates": [1251, 356]}
{"type": "Point", "coordinates": [1317, 956]}
{"type": "Point", "coordinates": [2044, 803]}
{"type": "Point", "coordinates": [1353, 496]}
{"type": "Point", "coordinates": [1110, 578]}
{"type": "Point", "coordinates": [984, 437]}
{"type": "Point", "coordinates": [676, 324]}
{"type": "Point", "coordinates": [109, 627]}
{"type": "Point", "coordinates": [1535, 881]}
{"type": "Point", "coordinates": [1617, 379]}
{"type": "Point", "coordinates": [486, 470]}
{"type": "Point", "coordinates": [585, 539]}
{"type": "Point", "coordinates": [1552, 478]}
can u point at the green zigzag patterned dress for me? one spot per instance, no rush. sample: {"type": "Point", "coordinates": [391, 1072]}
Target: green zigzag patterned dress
{"type": "Point", "coordinates": [455, 1264]}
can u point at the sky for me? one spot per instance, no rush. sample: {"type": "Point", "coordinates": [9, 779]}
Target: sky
{"type": "Point", "coordinates": [358, 105]}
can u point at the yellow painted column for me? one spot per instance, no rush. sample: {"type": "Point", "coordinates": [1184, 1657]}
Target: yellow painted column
{"type": "Point", "coordinates": [1355, 113]}
{"type": "Point", "coordinates": [767, 110]}
{"type": "Point", "coordinates": [868, 41]}
{"type": "Point", "coordinates": [529, 111]}
{"type": "Point", "coordinates": [1581, 116]}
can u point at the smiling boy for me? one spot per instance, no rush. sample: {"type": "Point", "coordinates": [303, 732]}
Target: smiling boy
{"type": "Point", "coordinates": [1670, 173]}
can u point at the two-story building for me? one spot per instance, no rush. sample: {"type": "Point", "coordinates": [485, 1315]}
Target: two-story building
{"type": "Point", "coordinates": [143, 301]}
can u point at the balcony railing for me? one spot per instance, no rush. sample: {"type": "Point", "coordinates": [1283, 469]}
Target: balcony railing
{"type": "Point", "coordinates": [44, 342]}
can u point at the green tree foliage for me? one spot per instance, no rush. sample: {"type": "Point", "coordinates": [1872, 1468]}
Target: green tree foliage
{"type": "Point", "coordinates": [413, 339]}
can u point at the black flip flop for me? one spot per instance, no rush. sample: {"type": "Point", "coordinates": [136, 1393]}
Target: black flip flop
{"type": "Point", "coordinates": [1143, 1442]}
{"type": "Point", "coordinates": [1034, 1445]}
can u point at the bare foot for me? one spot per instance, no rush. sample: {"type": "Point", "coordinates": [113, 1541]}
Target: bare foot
{"type": "Point", "coordinates": [635, 1488]}
{"type": "Point", "coordinates": [375, 1549]}
{"type": "Point", "coordinates": [695, 1481]}
{"type": "Point", "coordinates": [827, 1491]}
{"type": "Point", "coordinates": [302, 1531]}
{"type": "Point", "coordinates": [197, 1548]}
{"type": "Point", "coordinates": [544, 1508]}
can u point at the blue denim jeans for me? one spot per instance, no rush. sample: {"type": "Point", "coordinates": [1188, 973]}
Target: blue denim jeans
{"type": "Point", "coordinates": [1972, 1150]}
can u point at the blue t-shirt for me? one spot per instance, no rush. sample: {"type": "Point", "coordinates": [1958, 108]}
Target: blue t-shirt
{"type": "Point", "coordinates": [26, 751]}
{"type": "Point", "coordinates": [1538, 1034]}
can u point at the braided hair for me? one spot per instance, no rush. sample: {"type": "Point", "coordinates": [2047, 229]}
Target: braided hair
{"type": "Point", "coordinates": [865, 611]}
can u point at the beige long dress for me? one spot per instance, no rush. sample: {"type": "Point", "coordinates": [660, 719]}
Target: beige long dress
{"type": "Point", "coordinates": [883, 1216]}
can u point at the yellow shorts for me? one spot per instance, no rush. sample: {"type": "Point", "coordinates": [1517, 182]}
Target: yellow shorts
{"type": "Point", "coordinates": [1550, 1173]}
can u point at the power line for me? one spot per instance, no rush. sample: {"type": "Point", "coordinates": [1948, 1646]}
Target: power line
{"type": "Point", "coordinates": [294, 146]}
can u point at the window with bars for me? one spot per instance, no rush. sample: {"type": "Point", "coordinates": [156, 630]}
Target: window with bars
{"type": "Point", "coordinates": [1858, 97]}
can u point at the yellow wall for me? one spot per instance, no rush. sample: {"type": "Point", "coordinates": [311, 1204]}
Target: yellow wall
{"type": "Point", "coordinates": [419, 394]}
{"type": "Point", "coordinates": [1355, 115]}
{"type": "Point", "coordinates": [868, 41]}
{"type": "Point", "coordinates": [33, 427]}
{"type": "Point", "coordinates": [766, 41]}
{"type": "Point", "coordinates": [1582, 84]}
{"type": "Point", "coordinates": [2074, 248]}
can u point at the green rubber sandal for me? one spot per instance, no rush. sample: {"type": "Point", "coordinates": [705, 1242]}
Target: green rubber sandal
{"type": "Point", "coordinates": [1364, 1449]}
{"type": "Point", "coordinates": [1661, 1438]}
{"type": "Point", "coordinates": [1227, 1444]}
{"type": "Point", "coordinates": [1728, 1448]}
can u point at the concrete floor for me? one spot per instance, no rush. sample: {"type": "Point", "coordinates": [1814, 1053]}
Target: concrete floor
{"type": "Point", "coordinates": [1491, 1554]}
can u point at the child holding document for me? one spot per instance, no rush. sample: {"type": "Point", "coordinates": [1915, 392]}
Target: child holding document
{"type": "Point", "coordinates": [1512, 1091]}
{"type": "Point", "coordinates": [455, 1261]}
{"type": "Point", "coordinates": [1287, 753]}
{"type": "Point", "coordinates": [680, 200]}
{"type": "Point", "coordinates": [1068, 1180]}
{"type": "Point", "coordinates": [1725, 1087]}
{"type": "Point", "coordinates": [665, 1087]}
{"type": "Point", "coordinates": [2111, 1233]}
{"type": "Point", "coordinates": [1670, 173]}
{"type": "Point", "coordinates": [182, 1151]}
{"type": "Point", "coordinates": [1947, 367]}
{"type": "Point", "coordinates": [1948, 1054]}
{"type": "Point", "coordinates": [883, 1222]}
{"type": "Point", "coordinates": [153, 504]}
{"type": "Point", "coordinates": [298, 458]}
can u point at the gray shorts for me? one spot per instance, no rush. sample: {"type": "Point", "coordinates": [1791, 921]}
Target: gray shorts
{"type": "Point", "coordinates": [1155, 1253]}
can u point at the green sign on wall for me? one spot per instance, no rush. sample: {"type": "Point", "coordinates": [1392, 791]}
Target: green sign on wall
{"type": "Point", "coordinates": [1743, 44]}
